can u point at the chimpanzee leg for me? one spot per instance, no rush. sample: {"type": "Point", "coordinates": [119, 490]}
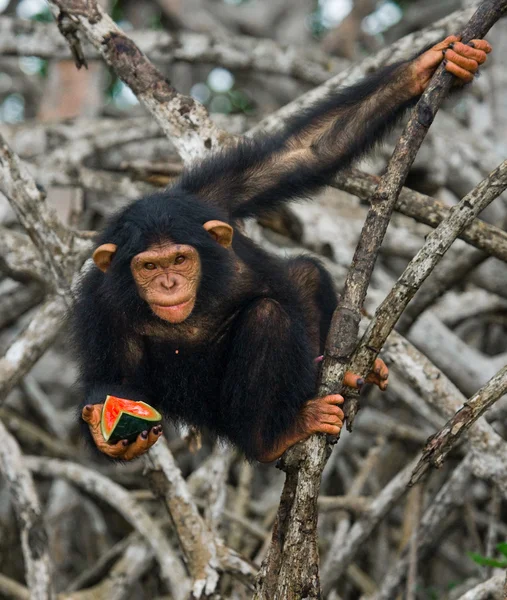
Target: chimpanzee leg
{"type": "Point", "coordinates": [318, 296]}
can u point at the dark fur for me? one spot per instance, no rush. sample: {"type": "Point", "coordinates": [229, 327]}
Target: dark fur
{"type": "Point", "coordinates": [247, 372]}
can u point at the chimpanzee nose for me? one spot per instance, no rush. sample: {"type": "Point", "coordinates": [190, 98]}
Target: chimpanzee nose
{"type": "Point", "coordinates": [168, 282]}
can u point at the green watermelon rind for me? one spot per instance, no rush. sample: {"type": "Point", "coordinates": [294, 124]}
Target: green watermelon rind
{"type": "Point", "coordinates": [128, 426]}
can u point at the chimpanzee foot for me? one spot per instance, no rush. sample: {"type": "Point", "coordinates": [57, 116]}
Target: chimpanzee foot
{"type": "Point", "coordinates": [123, 450]}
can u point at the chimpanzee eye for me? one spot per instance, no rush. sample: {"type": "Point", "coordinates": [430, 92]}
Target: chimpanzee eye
{"type": "Point", "coordinates": [179, 259]}
{"type": "Point", "coordinates": [150, 266]}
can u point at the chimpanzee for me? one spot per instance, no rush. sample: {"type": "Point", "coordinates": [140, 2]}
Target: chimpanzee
{"type": "Point", "coordinates": [204, 324]}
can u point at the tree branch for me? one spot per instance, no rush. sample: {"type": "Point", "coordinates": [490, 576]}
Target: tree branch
{"type": "Point", "coordinates": [290, 566]}
{"type": "Point", "coordinates": [240, 53]}
{"type": "Point", "coordinates": [182, 118]}
{"type": "Point", "coordinates": [440, 444]}
{"type": "Point", "coordinates": [48, 234]}
{"type": "Point", "coordinates": [34, 540]}
{"type": "Point", "coordinates": [437, 243]}
{"type": "Point", "coordinates": [427, 210]}
{"type": "Point", "coordinates": [171, 568]}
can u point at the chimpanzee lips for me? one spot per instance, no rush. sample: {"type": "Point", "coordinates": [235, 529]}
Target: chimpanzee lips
{"type": "Point", "coordinates": [175, 313]}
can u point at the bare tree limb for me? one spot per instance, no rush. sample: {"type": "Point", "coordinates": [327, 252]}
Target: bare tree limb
{"type": "Point", "coordinates": [206, 555]}
{"type": "Point", "coordinates": [47, 233]}
{"type": "Point", "coordinates": [437, 243]}
{"type": "Point", "coordinates": [19, 37]}
{"type": "Point", "coordinates": [450, 496]}
{"type": "Point", "coordinates": [171, 568]}
{"type": "Point", "coordinates": [182, 118]}
{"type": "Point", "coordinates": [440, 444]}
{"type": "Point", "coordinates": [24, 498]}
{"type": "Point", "coordinates": [493, 588]}
{"type": "Point", "coordinates": [28, 347]}
{"type": "Point", "coordinates": [425, 209]}
{"type": "Point", "coordinates": [12, 590]}
{"type": "Point", "coordinates": [290, 566]}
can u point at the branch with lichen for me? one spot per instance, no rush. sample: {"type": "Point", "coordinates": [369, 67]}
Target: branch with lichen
{"type": "Point", "coordinates": [239, 53]}
{"type": "Point", "coordinates": [183, 119]}
{"type": "Point", "coordinates": [171, 568]}
{"type": "Point", "coordinates": [440, 444]}
{"type": "Point", "coordinates": [34, 540]}
{"type": "Point", "coordinates": [294, 542]}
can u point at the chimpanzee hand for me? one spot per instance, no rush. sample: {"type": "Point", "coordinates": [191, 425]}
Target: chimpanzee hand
{"type": "Point", "coordinates": [462, 60]}
{"type": "Point", "coordinates": [123, 450]}
{"type": "Point", "coordinates": [379, 376]}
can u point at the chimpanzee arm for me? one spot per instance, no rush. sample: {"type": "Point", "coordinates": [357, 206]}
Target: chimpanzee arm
{"type": "Point", "coordinates": [105, 357]}
{"type": "Point", "coordinates": [258, 175]}
{"type": "Point", "coordinates": [270, 375]}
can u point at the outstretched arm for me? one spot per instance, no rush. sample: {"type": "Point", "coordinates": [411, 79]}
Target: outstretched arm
{"type": "Point", "coordinates": [257, 175]}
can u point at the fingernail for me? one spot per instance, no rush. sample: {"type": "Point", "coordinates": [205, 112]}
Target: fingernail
{"type": "Point", "coordinates": [144, 435]}
{"type": "Point", "coordinates": [360, 382]}
{"type": "Point", "coordinates": [89, 407]}
{"type": "Point", "coordinates": [125, 442]}
{"type": "Point", "coordinates": [471, 44]}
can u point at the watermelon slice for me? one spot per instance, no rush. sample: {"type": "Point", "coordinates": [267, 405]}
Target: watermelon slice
{"type": "Point", "coordinates": [125, 419]}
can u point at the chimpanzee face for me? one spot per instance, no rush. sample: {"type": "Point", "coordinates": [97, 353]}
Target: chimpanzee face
{"type": "Point", "coordinates": [167, 278]}
{"type": "Point", "coordinates": [167, 274]}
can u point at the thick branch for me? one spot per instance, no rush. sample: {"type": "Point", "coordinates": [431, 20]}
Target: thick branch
{"type": "Point", "coordinates": [437, 243]}
{"type": "Point", "coordinates": [42, 225]}
{"type": "Point", "coordinates": [24, 498]}
{"type": "Point", "coordinates": [427, 210]}
{"type": "Point", "coordinates": [28, 347]}
{"type": "Point", "coordinates": [440, 444]}
{"type": "Point", "coordinates": [19, 37]}
{"type": "Point", "coordinates": [182, 118]}
{"type": "Point", "coordinates": [171, 569]}
{"type": "Point", "coordinates": [294, 543]}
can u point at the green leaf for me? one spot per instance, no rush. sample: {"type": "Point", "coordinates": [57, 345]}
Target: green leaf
{"type": "Point", "coordinates": [484, 561]}
{"type": "Point", "coordinates": [502, 548]}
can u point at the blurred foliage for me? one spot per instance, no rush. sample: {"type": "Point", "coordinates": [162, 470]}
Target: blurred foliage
{"type": "Point", "coordinates": [485, 561]}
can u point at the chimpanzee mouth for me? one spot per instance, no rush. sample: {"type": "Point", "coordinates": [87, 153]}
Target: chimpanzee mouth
{"type": "Point", "coordinates": [172, 306]}
{"type": "Point", "coordinates": [174, 313]}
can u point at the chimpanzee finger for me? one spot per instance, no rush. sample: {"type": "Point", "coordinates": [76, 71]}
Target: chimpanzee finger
{"type": "Point", "coordinates": [481, 45]}
{"type": "Point", "coordinates": [459, 72]}
{"type": "Point", "coordinates": [446, 43]}
{"type": "Point", "coordinates": [469, 52]}
{"type": "Point", "coordinates": [155, 433]}
{"type": "Point", "coordinates": [332, 409]}
{"type": "Point", "coordinates": [114, 450]}
{"type": "Point", "coordinates": [469, 64]}
{"type": "Point", "coordinates": [333, 399]}
{"type": "Point", "coordinates": [140, 446]}
{"type": "Point", "coordinates": [381, 368]}
{"type": "Point", "coordinates": [330, 429]}
{"type": "Point", "coordinates": [353, 381]}
{"type": "Point", "coordinates": [91, 414]}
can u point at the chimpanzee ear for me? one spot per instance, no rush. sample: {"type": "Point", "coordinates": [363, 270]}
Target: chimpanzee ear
{"type": "Point", "coordinates": [222, 232]}
{"type": "Point", "coordinates": [103, 256]}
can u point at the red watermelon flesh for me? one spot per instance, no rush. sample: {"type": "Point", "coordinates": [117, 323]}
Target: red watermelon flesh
{"type": "Point", "coordinates": [124, 419]}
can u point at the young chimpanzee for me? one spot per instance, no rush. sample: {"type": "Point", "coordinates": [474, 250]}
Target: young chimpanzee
{"type": "Point", "coordinates": [205, 325]}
